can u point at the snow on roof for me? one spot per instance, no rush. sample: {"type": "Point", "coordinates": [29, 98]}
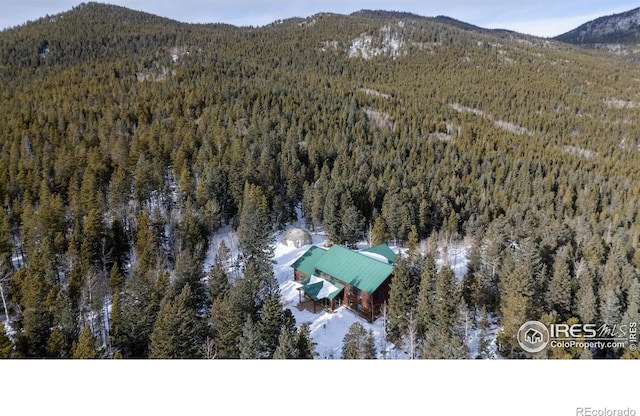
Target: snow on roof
{"type": "Point", "coordinates": [319, 288]}
{"type": "Point", "coordinates": [375, 256]}
{"type": "Point", "coordinates": [327, 288]}
{"type": "Point", "coordinates": [383, 250]}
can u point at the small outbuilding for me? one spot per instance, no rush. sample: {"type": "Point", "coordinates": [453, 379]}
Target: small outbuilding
{"type": "Point", "coordinates": [297, 238]}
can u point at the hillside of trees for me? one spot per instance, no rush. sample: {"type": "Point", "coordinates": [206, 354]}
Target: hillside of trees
{"type": "Point", "coordinates": [129, 140]}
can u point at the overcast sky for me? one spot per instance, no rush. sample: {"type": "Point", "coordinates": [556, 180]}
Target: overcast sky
{"type": "Point", "coordinates": [536, 17]}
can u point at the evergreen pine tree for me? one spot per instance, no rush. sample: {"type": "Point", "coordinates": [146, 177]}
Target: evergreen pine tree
{"type": "Point", "coordinates": [350, 220]}
{"type": "Point", "coordinates": [94, 240]}
{"type": "Point", "coordinates": [116, 337]}
{"type": "Point", "coordinates": [392, 213]}
{"type": "Point", "coordinates": [353, 342]}
{"type": "Point", "coordinates": [254, 227]}
{"type": "Point", "coordinates": [270, 326]}
{"type": "Point", "coordinates": [559, 291]}
{"type": "Point", "coordinates": [586, 306]}
{"type": "Point", "coordinates": [188, 271]}
{"type": "Point", "coordinates": [515, 301]}
{"type": "Point", "coordinates": [258, 284]}
{"type": "Point", "coordinates": [162, 345]}
{"type": "Point", "coordinates": [440, 344]}
{"type": "Point", "coordinates": [484, 341]}
{"type": "Point", "coordinates": [254, 233]}
{"type": "Point", "coordinates": [218, 281]}
{"type": "Point", "coordinates": [369, 347]}
{"type": "Point", "coordinates": [223, 255]}
{"type": "Point", "coordinates": [400, 301]}
{"type": "Point", "coordinates": [146, 246]}
{"type": "Point", "coordinates": [5, 244]}
{"type": "Point", "coordinates": [317, 208]}
{"type": "Point", "coordinates": [379, 234]}
{"type": "Point", "coordinates": [57, 346]}
{"type": "Point", "coordinates": [218, 278]}
{"type": "Point", "coordinates": [471, 291]}
{"type": "Point", "coordinates": [304, 344]}
{"type": "Point", "coordinates": [137, 317]}
{"type": "Point", "coordinates": [424, 312]}
{"type": "Point", "coordinates": [65, 324]}
{"type": "Point", "coordinates": [86, 347]}
{"type": "Point", "coordinates": [288, 321]}
{"type": "Point", "coordinates": [191, 233]}
{"type": "Point", "coordinates": [6, 346]}
{"type": "Point", "coordinates": [358, 343]}
{"type": "Point", "coordinates": [249, 344]}
{"type": "Point", "coordinates": [119, 245]}
{"type": "Point", "coordinates": [331, 215]}
{"type": "Point", "coordinates": [161, 290]}
{"type": "Point", "coordinates": [37, 319]}
{"type": "Point", "coordinates": [176, 332]}
{"type": "Point", "coordinates": [286, 349]}
{"type": "Point", "coordinates": [228, 316]}
{"type": "Point", "coordinates": [413, 239]}
{"type": "Point", "coordinates": [116, 280]}
{"type": "Point", "coordinates": [447, 298]}
{"type": "Point", "coordinates": [610, 308]}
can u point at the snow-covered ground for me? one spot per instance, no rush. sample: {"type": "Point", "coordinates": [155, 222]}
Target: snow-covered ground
{"type": "Point", "coordinates": [457, 258]}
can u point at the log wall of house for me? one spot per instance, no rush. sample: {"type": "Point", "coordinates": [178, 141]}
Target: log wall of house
{"type": "Point", "coordinates": [298, 276]}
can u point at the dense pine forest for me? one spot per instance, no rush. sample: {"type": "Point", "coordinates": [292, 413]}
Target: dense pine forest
{"type": "Point", "coordinates": [129, 140]}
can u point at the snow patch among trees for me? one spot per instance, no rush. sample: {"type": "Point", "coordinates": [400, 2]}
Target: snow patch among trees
{"type": "Point", "coordinates": [388, 43]}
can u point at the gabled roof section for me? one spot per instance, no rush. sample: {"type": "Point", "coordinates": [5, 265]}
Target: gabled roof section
{"type": "Point", "coordinates": [307, 262]}
{"type": "Point", "coordinates": [354, 268]}
{"type": "Point", "coordinates": [318, 288]}
{"type": "Point", "coordinates": [383, 250]}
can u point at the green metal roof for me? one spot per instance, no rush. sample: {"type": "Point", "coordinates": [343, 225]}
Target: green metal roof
{"type": "Point", "coordinates": [383, 250]}
{"type": "Point", "coordinates": [313, 289]}
{"type": "Point", "coordinates": [340, 287]}
{"type": "Point", "coordinates": [307, 262]}
{"type": "Point", "coordinates": [354, 268]}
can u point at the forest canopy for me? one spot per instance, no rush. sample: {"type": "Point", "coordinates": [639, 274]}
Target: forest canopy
{"type": "Point", "coordinates": [129, 140]}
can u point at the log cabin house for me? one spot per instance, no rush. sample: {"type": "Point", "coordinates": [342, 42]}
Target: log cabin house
{"type": "Point", "coordinates": [357, 280]}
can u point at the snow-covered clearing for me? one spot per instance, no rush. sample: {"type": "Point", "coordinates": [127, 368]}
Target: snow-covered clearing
{"type": "Point", "coordinates": [329, 328]}
{"type": "Point", "coordinates": [578, 151]}
{"type": "Point", "coordinates": [388, 43]}
{"type": "Point", "coordinates": [456, 256]}
{"type": "Point", "coordinates": [505, 125]}
{"type": "Point", "coordinates": [374, 93]}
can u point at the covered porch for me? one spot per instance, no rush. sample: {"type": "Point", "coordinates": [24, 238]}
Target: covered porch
{"type": "Point", "coordinates": [316, 294]}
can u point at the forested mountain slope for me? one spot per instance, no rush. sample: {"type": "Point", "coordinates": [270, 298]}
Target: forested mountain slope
{"type": "Point", "coordinates": [617, 28]}
{"type": "Point", "coordinates": [128, 140]}
{"type": "Point", "coordinates": [619, 33]}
